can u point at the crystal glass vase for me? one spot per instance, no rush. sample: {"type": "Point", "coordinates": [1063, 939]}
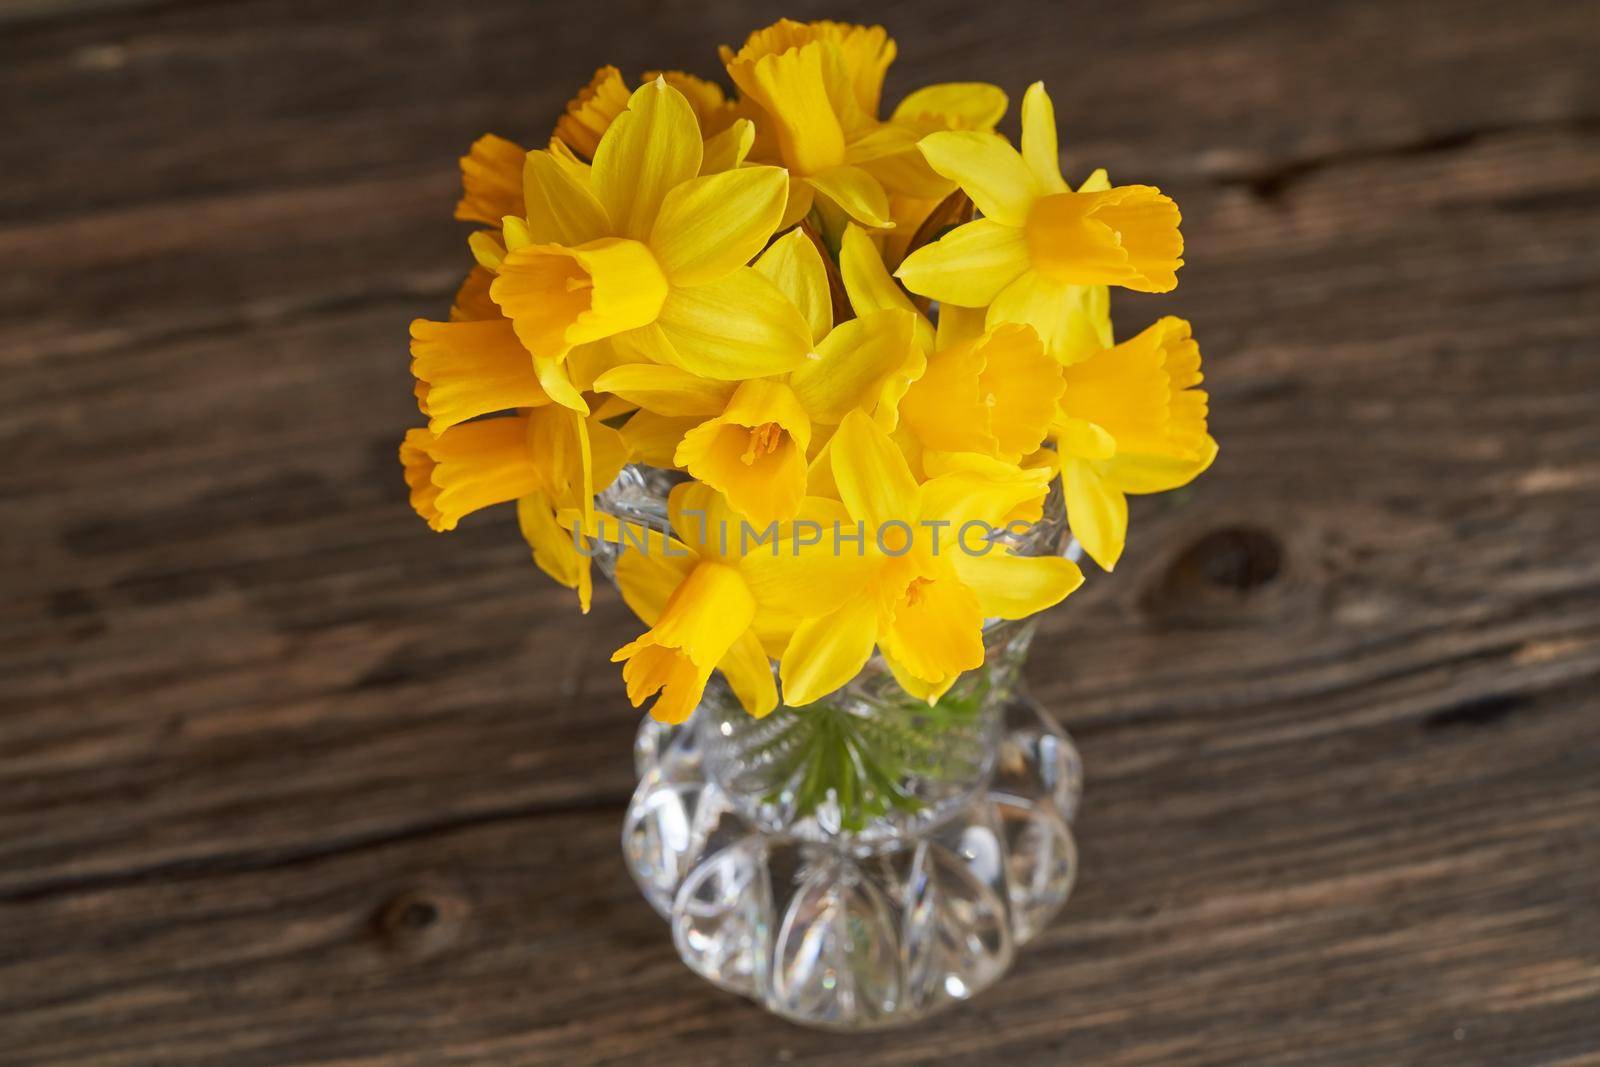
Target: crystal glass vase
{"type": "Point", "coordinates": [868, 859]}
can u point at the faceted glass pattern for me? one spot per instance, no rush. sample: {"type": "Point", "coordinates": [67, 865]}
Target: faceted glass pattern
{"type": "Point", "coordinates": [855, 930]}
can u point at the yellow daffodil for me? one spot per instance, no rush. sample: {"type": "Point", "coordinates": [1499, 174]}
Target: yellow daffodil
{"type": "Point", "coordinates": [815, 89]}
{"type": "Point", "coordinates": [739, 289]}
{"type": "Point", "coordinates": [492, 170]}
{"type": "Point", "coordinates": [491, 461]}
{"type": "Point", "coordinates": [589, 114]}
{"type": "Point", "coordinates": [754, 450]}
{"type": "Point", "coordinates": [754, 442]}
{"type": "Point", "coordinates": [647, 254]}
{"type": "Point", "coordinates": [467, 369]}
{"type": "Point", "coordinates": [911, 590]}
{"type": "Point", "coordinates": [1130, 421]}
{"type": "Point", "coordinates": [692, 591]}
{"type": "Point", "coordinates": [491, 180]}
{"type": "Point", "coordinates": [988, 392]}
{"type": "Point", "coordinates": [548, 530]}
{"type": "Point", "coordinates": [1040, 247]}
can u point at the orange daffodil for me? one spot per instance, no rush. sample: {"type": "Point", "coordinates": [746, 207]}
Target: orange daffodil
{"type": "Point", "coordinates": [725, 286]}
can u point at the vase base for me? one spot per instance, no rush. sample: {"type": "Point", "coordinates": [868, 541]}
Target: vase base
{"type": "Point", "coordinates": [846, 937]}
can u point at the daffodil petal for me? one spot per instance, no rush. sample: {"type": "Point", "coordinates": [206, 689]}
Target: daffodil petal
{"type": "Point", "coordinates": [889, 154]}
{"type": "Point", "coordinates": [558, 297]}
{"type": "Point", "coordinates": [1097, 512]}
{"type": "Point", "coordinates": [958, 325]}
{"type": "Point", "coordinates": [608, 454]}
{"type": "Point", "coordinates": [968, 266]}
{"type": "Point", "coordinates": [648, 578]}
{"type": "Point", "coordinates": [801, 198]}
{"type": "Point", "coordinates": [1015, 587]}
{"type": "Point", "coordinates": [487, 250]}
{"type": "Point", "coordinates": [791, 85]}
{"type": "Point", "coordinates": [665, 390]}
{"type": "Point", "coordinates": [703, 618]}
{"type": "Point", "coordinates": [988, 169]}
{"type": "Point", "coordinates": [553, 378]}
{"type": "Point", "coordinates": [819, 476]}
{"type": "Point", "coordinates": [702, 519]}
{"type": "Point", "coordinates": [857, 193]}
{"type": "Point", "coordinates": [1039, 149]}
{"type": "Point", "coordinates": [737, 327]}
{"type": "Point", "coordinates": [795, 266]}
{"type": "Point", "coordinates": [1098, 181]}
{"type": "Point", "coordinates": [490, 180]}
{"type": "Point", "coordinates": [827, 651]}
{"type": "Point", "coordinates": [712, 225]}
{"type": "Point", "coordinates": [553, 549]}
{"type": "Point", "coordinates": [1134, 473]}
{"type": "Point", "coordinates": [560, 210]}
{"type": "Point", "coordinates": [653, 439]}
{"type": "Point", "coordinates": [1073, 321]}
{"type": "Point", "coordinates": [749, 675]}
{"type": "Point", "coordinates": [930, 692]}
{"type": "Point", "coordinates": [799, 572]}
{"type": "Point", "coordinates": [728, 149]}
{"type": "Point", "coordinates": [1082, 439]}
{"type": "Point", "coordinates": [871, 473]}
{"type": "Point", "coordinates": [590, 360]}
{"type": "Point", "coordinates": [858, 356]}
{"type": "Point", "coordinates": [648, 149]}
{"type": "Point", "coordinates": [993, 497]}
{"type": "Point", "coordinates": [567, 160]}
{"type": "Point", "coordinates": [869, 284]}
{"type": "Point", "coordinates": [938, 632]}
{"type": "Point", "coordinates": [965, 105]}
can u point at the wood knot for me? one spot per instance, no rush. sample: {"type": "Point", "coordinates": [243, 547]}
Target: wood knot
{"type": "Point", "coordinates": [1240, 558]}
{"type": "Point", "coordinates": [1216, 573]}
{"type": "Point", "coordinates": [422, 922]}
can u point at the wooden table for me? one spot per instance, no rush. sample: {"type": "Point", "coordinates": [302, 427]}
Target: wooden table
{"type": "Point", "coordinates": [287, 779]}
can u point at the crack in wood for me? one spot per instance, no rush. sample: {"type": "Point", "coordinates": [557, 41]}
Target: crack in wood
{"type": "Point", "coordinates": [222, 864]}
{"type": "Point", "coordinates": [1272, 183]}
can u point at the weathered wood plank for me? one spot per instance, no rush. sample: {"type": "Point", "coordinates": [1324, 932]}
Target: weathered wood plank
{"type": "Point", "coordinates": [208, 99]}
{"type": "Point", "coordinates": [1330, 904]}
{"type": "Point", "coordinates": [284, 778]}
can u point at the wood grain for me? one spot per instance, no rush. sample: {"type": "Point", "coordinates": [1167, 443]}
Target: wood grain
{"type": "Point", "coordinates": [287, 779]}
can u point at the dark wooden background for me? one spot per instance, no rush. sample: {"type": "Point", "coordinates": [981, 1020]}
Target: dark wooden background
{"type": "Point", "coordinates": [287, 779]}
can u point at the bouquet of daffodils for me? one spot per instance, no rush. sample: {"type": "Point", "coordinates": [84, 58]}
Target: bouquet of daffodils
{"type": "Point", "coordinates": [866, 344]}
